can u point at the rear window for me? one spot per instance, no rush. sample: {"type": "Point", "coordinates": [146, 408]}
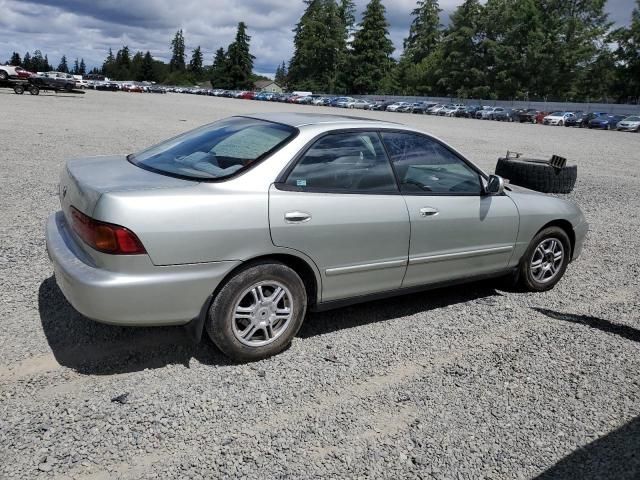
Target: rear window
{"type": "Point", "coordinates": [215, 151]}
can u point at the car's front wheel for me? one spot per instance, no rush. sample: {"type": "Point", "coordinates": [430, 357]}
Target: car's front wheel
{"type": "Point", "coordinates": [257, 312]}
{"type": "Point", "coordinates": [4, 76]}
{"type": "Point", "coordinates": [546, 260]}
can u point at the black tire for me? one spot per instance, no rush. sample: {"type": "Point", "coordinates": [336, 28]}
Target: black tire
{"type": "Point", "coordinates": [33, 90]}
{"type": "Point", "coordinates": [18, 89]}
{"type": "Point", "coordinates": [68, 87]}
{"type": "Point", "coordinates": [4, 76]}
{"type": "Point", "coordinates": [219, 322]}
{"type": "Point", "coordinates": [526, 279]}
{"type": "Point", "coordinates": [538, 175]}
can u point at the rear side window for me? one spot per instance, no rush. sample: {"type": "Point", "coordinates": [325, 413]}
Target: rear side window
{"type": "Point", "coordinates": [345, 162]}
{"type": "Point", "coordinates": [423, 166]}
{"type": "Point", "coordinates": [215, 151]}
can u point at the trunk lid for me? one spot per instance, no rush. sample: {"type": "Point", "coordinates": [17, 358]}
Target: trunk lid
{"type": "Point", "coordinates": [85, 180]}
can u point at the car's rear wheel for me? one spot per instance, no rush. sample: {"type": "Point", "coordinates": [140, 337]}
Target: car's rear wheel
{"type": "Point", "coordinates": [257, 312]}
{"type": "Point", "coordinates": [546, 260]}
{"type": "Point", "coordinates": [3, 75]}
{"type": "Point", "coordinates": [18, 89]}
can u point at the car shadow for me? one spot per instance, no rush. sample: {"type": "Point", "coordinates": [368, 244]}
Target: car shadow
{"type": "Point", "coordinates": [617, 454]}
{"type": "Point", "coordinates": [601, 324]}
{"type": "Point", "coordinates": [614, 456]}
{"type": "Point", "coordinates": [319, 323]}
{"type": "Point", "coordinates": [93, 348]}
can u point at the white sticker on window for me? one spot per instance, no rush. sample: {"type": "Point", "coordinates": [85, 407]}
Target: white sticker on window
{"type": "Point", "coordinates": [301, 183]}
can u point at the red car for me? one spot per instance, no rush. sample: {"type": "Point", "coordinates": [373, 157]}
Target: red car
{"type": "Point", "coordinates": [248, 95]}
{"type": "Point", "coordinates": [540, 116]}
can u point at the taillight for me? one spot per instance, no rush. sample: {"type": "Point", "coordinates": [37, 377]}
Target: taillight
{"type": "Point", "coordinates": [105, 237]}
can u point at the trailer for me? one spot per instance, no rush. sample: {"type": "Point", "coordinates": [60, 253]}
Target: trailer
{"type": "Point", "coordinates": [35, 85]}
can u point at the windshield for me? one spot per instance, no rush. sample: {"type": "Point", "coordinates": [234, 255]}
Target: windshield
{"type": "Point", "coordinates": [557, 114]}
{"type": "Point", "coordinates": [215, 151]}
{"type": "Point", "coordinates": [632, 119]}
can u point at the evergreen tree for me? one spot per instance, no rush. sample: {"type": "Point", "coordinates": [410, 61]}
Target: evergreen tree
{"type": "Point", "coordinates": [15, 59]}
{"type": "Point", "coordinates": [177, 62]}
{"type": "Point", "coordinates": [26, 61]}
{"type": "Point", "coordinates": [82, 70]}
{"type": "Point", "coordinates": [195, 65]}
{"type": "Point", "coordinates": [371, 56]}
{"type": "Point", "coordinates": [347, 12]}
{"type": "Point", "coordinates": [319, 47]}
{"type": "Point", "coordinates": [108, 67]}
{"type": "Point", "coordinates": [281, 75]}
{"type": "Point", "coordinates": [461, 71]}
{"type": "Point", "coordinates": [76, 67]}
{"type": "Point", "coordinates": [46, 65]}
{"type": "Point", "coordinates": [219, 70]}
{"type": "Point", "coordinates": [39, 63]}
{"type": "Point", "coordinates": [627, 58]}
{"type": "Point", "coordinates": [135, 70]}
{"type": "Point", "coordinates": [424, 32]}
{"type": "Point", "coordinates": [240, 60]}
{"type": "Point", "coordinates": [62, 66]}
{"type": "Point", "coordinates": [146, 69]}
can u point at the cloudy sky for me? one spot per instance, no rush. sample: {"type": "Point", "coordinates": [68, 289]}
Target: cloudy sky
{"type": "Point", "coordinates": [87, 28]}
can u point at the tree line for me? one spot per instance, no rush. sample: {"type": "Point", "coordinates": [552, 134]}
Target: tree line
{"type": "Point", "coordinates": [37, 62]}
{"type": "Point", "coordinates": [510, 49]}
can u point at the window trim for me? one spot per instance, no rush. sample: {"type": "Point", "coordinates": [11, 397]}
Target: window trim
{"type": "Point", "coordinates": [468, 163]}
{"type": "Point", "coordinates": [295, 132]}
{"type": "Point", "coordinates": [280, 182]}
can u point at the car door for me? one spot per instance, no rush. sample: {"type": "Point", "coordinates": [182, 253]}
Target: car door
{"type": "Point", "coordinates": [456, 231]}
{"type": "Point", "coordinates": [340, 205]}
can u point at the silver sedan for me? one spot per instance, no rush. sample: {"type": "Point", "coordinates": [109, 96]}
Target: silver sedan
{"type": "Point", "coordinates": [241, 226]}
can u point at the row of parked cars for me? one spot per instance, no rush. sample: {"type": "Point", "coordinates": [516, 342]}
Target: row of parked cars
{"type": "Point", "coordinates": [594, 120]}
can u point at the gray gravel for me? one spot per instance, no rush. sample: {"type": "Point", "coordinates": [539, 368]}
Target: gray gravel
{"type": "Point", "coordinates": [465, 383]}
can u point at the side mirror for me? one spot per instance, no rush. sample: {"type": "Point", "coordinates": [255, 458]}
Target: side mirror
{"type": "Point", "coordinates": [495, 185]}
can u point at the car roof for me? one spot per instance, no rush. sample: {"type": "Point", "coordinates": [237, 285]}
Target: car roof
{"type": "Point", "coordinates": [304, 119]}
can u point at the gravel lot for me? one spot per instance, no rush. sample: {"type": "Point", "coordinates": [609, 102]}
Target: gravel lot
{"type": "Point", "coordinates": [463, 383]}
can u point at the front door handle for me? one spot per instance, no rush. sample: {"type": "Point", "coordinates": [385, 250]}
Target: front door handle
{"type": "Point", "coordinates": [429, 212]}
{"type": "Point", "coordinates": [297, 217]}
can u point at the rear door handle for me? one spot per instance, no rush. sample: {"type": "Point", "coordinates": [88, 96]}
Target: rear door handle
{"type": "Point", "coordinates": [429, 212]}
{"type": "Point", "coordinates": [297, 217]}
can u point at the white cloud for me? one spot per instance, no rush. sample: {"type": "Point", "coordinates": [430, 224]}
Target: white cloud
{"type": "Point", "coordinates": [87, 29]}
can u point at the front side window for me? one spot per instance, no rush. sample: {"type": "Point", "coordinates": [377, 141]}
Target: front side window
{"type": "Point", "coordinates": [215, 151]}
{"type": "Point", "coordinates": [423, 165]}
{"type": "Point", "coordinates": [344, 162]}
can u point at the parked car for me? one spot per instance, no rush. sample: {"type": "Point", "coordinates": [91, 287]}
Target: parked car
{"type": "Point", "coordinates": [487, 113]}
{"type": "Point", "coordinates": [435, 109]}
{"type": "Point", "coordinates": [582, 119]}
{"type": "Point", "coordinates": [381, 105]}
{"type": "Point", "coordinates": [53, 82]}
{"type": "Point", "coordinates": [10, 72]}
{"type": "Point", "coordinates": [422, 107]}
{"type": "Point", "coordinates": [505, 115]}
{"type": "Point", "coordinates": [468, 112]}
{"type": "Point", "coordinates": [361, 104]}
{"type": "Point", "coordinates": [225, 227]}
{"type": "Point", "coordinates": [540, 116]}
{"type": "Point", "coordinates": [406, 108]}
{"type": "Point", "coordinates": [606, 122]}
{"type": "Point", "coordinates": [557, 118]}
{"type": "Point", "coordinates": [345, 102]}
{"type": "Point", "coordinates": [394, 107]}
{"type": "Point", "coordinates": [629, 124]}
{"type": "Point", "coordinates": [527, 116]}
{"type": "Point", "coordinates": [457, 109]}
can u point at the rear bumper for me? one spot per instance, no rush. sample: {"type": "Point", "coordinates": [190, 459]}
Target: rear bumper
{"type": "Point", "coordinates": [172, 295]}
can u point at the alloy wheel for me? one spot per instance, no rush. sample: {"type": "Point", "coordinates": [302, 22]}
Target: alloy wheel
{"type": "Point", "coordinates": [262, 313]}
{"type": "Point", "coordinates": [547, 259]}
